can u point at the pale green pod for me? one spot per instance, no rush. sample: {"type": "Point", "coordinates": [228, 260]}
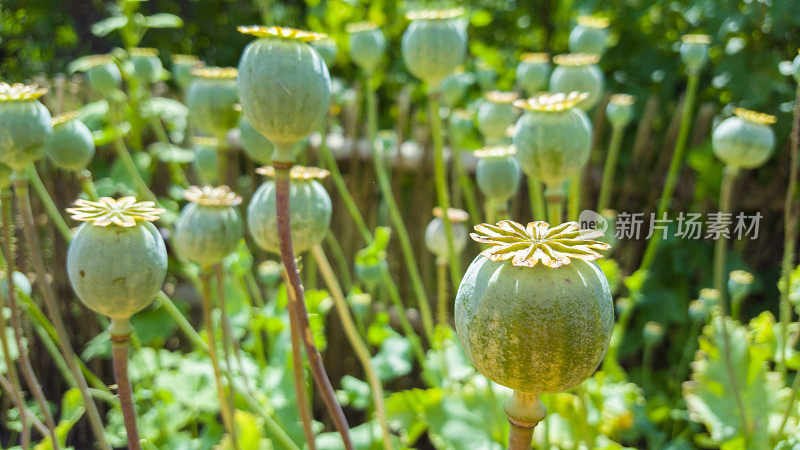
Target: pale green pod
{"type": "Point", "coordinates": [182, 67]}
{"type": "Point", "coordinates": [590, 35]}
{"type": "Point", "coordinates": [486, 76]}
{"type": "Point", "coordinates": [436, 237]}
{"type": "Point", "coordinates": [206, 159]}
{"type": "Point", "coordinates": [453, 88]}
{"type": "Point", "coordinates": [497, 174]}
{"type": "Point", "coordinates": [25, 125]}
{"type": "Point", "coordinates": [147, 66]}
{"type": "Point", "coordinates": [328, 49]}
{"type": "Point", "coordinates": [538, 329]}
{"type": "Point", "coordinates": [367, 45]}
{"type": "Point", "coordinates": [461, 127]}
{"type": "Point", "coordinates": [213, 100]}
{"type": "Point", "coordinates": [103, 75]}
{"type": "Point", "coordinates": [117, 261]}
{"type": "Point", "coordinates": [578, 72]}
{"type": "Point", "coordinates": [497, 114]}
{"type": "Point", "coordinates": [208, 228]}
{"type": "Point", "coordinates": [310, 211]}
{"type": "Point", "coordinates": [619, 110]}
{"type": "Point", "coordinates": [284, 86]}
{"type": "Point", "coordinates": [434, 44]}
{"type": "Point", "coordinates": [257, 147]}
{"type": "Point", "coordinates": [533, 72]}
{"type": "Point", "coordinates": [745, 140]}
{"type": "Point", "coordinates": [553, 137]}
{"type": "Point", "coordinates": [21, 283]}
{"type": "Point", "coordinates": [71, 146]}
{"type": "Point", "coordinates": [694, 51]}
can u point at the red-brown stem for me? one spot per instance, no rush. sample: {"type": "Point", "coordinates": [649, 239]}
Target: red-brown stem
{"type": "Point", "coordinates": [297, 370]}
{"type": "Point", "coordinates": [119, 353]}
{"type": "Point", "coordinates": [519, 437]}
{"type": "Point", "coordinates": [282, 188]}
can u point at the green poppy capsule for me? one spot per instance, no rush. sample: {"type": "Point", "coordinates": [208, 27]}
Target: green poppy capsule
{"type": "Point", "coordinates": [147, 66]}
{"type": "Point", "coordinates": [328, 49]}
{"type": "Point", "coordinates": [21, 283]}
{"type": "Point", "coordinates": [257, 147]}
{"type": "Point", "coordinates": [71, 146]}
{"type": "Point", "coordinates": [497, 174]}
{"type": "Point", "coordinates": [497, 114]}
{"type": "Point", "coordinates": [182, 66]}
{"type": "Point", "coordinates": [694, 51]}
{"type": "Point", "coordinates": [25, 125]}
{"type": "Point", "coordinates": [745, 140]}
{"type": "Point", "coordinates": [461, 127]}
{"type": "Point", "coordinates": [434, 44]}
{"type": "Point", "coordinates": [284, 86]}
{"type": "Point", "coordinates": [103, 75]}
{"type": "Point", "coordinates": [205, 159]}
{"type": "Point", "coordinates": [117, 260]}
{"type": "Point", "coordinates": [213, 100]}
{"type": "Point", "coordinates": [453, 88]}
{"type": "Point", "coordinates": [553, 137]}
{"type": "Point", "coordinates": [436, 237]}
{"type": "Point", "coordinates": [533, 72]}
{"type": "Point", "coordinates": [619, 110]}
{"type": "Point", "coordinates": [367, 45]}
{"type": "Point", "coordinates": [590, 35]}
{"type": "Point", "coordinates": [578, 72]}
{"type": "Point", "coordinates": [533, 312]}
{"type": "Point", "coordinates": [208, 228]}
{"type": "Point", "coordinates": [486, 75]}
{"type": "Point", "coordinates": [310, 210]}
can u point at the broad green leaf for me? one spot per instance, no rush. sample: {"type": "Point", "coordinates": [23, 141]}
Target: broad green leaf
{"type": "Point", "coordinates": [394, 358]}
{"type": "Point", "coordinates": [169, 153]}
{"type": "Point", "coordinates": [163, 20]}
{"type": "Point", "coordinates": [108, 25]}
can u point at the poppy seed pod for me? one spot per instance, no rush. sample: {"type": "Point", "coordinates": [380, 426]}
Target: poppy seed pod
{"type": "Point", "coordinates": [21, 283]}
{"type": "Point", "coordinates": [533, 313]}
{"type": "Point", "coordinates": [578, 72]}
{"type": "Point", "coordinates": [103, 75]}
{"type": "Point", "coordinates": [213, 100]}
{"type": "Point", "coordinates": [328, 49]}
{"type": "Point", "coordinates": [205, 158]}
{"type": "Point", "coordinates": [71, 146]}
{"type": "Point", "coordinates": [533, 72]}
{"type": "Point", "coordinates": [796, 67]}
{"type": "Point", "coordinates": [745, 140]}
{"type": "Point", "coordinates": [453, 88]}
{"type": "Point", "coordinates": [25, 125]}
{"type": "Point", "coordinates": [147, 66]}
{"type": "Point", "coordinates": [496, 114]}
{"type": "Point", "coordinates": [461, 127]}
{"type": "Point", "coordinates": [436, 237]}
{"type": "Point", "coordinates": [367, 45]}
{"type": "Point", "coordinates": [590, 35]}
{"type": "Point", "coordinates": [486, 75]}
{"type": "Point", "coordinates": [257, 147]}
{"type": "Point", "coordinates": [310, 210]}
{"type": "Point", "coordinates": [208, 228]}
{"type": "Point", "coordinates": [694, 51]}
{"type": "Point", "coordinates": [553, 137]}
{"type": "Point", "coordinates": [117, 260]}
{"type": "Point", "coordinates": [497, 174]}
{"type": "Point", "coordinates": [284, 86]}
{"type": "Point", "coordinates": [434, 44]}
{"type": "Point", "coordinates": [182, 67]}
{"type": "Point", "coordinates": [620, 110]}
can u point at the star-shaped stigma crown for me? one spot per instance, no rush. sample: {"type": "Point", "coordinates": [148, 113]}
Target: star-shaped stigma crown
{"type": "Point", "coordinates": [212, 196]}
{"type": "Point", "coordinates": [538, 242]}
{"type": "Point", "coordinates": [18, 92]}
{"type": "Point", "coordinates": [282, 33]}
{"type": "Point", "coordinates": [125, 212]}
{"type": "Point", "coordinates": [435, 14]}
{"type": "Point", "coordinates": [296, 172]}
{"type": "Point", "coordinates": [552, 102]}
{"type": "Point", "coordinates": [216, 73]}
{"type": "Point", "coordinates": [755, 116]}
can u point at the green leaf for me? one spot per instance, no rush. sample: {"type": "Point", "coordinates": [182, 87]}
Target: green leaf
{"type": "Point", "coordinates": [169, 153]}
{"type": "Point", "coordinates": [375, 252]}
{"type": "Point", "coordinates": [163, 20]}
{"type": "Point", "coordinates": [394, 358]}
{"type": "Point", "coordinates": [72, 410]}
{"type": "Point", "coordinates": [354, 393]}
{"type": "Point", "coordinates": [111, 133]}
{"type": "Point", "coordinates": [106, 26]}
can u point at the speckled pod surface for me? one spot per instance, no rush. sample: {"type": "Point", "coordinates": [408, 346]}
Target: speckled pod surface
{"type": "Point", "coordinates": [212, 105]}
{"type": "Point", "coordinates": [436, 237]}
{"type": "Point", "coordinates": [432, 49]}
{"type": "Point", "coordinates": [553, 146]}
{"type": "Point", "coordinates": [117, 271]}
{"type": "Point", "coordinates": [741, 143]}
{"type": "Point", "coordinates": [367, 48]}
{"type": "Point", "coordinates": [498, 178]}
{"type": "Point", "coordinates": [257, 147]}
{"type": "Point", "coordinates": [25, 127]}
{"type": "Point", "coordinates": [71, 146]}
{"type": "Point", "coordinates": [587, 79]}
{"type": "Point", "coordinates": [310, 209]}
{"type": "Point", "coordinates": [205, 234]}
{"type": "Point", "coordinates": [285, 90]}
{"type": "Point", "coordinates": [534, 329]}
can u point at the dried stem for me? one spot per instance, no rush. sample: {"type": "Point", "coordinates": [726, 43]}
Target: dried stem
{"type": "Point", "coordinates": [282, 187]}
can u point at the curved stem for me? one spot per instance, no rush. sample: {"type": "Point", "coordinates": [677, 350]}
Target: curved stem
{"type": "Point", "coordinates": [130, 167]}
{"type": "Point", "coordinates": [610, 168]}
{"type": "Point", "coordinates": [282, 188]}
{"type": "Point", "coordinates": [441, 287]}
{"type": "Point", "coordinates": [303, 406]}
{"type": "Point", "coordinates": [440, 180]}
{"type": "Point", "coordinates": [397, 220]}
{"type": "Point", "coordinates": [467, 187]}
{"type": "Point", "coordinates": [46, 290]}
{"type": "Point", "coordinates": [224, 406]}
{"type": "Point", "coordinates": [536, 198]}
{"type": "Point", "coordinates": [85, 178]}
{"type": "Point", "coordinates": [119, 353]}
{"type": "Point", "coordinates": [47, 202]}
{"type": "Point", "coordinates": [7, 386]}
{"type": "Point", "coordinates": [674, 165]}
{"type": "Point", "coordinates": [359, 347]}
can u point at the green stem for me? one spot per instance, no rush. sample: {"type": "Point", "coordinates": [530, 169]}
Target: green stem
{"type": "Point", "coordinates": [441, 284]}
{"type": "Point", "coordinates": [467, 187]}
{"type": "Point", "coordinates": [85, 178]}
{"type": "Point", "coordinates": [46, 290]}
{"type": "Point", "coordinates": [405, 324]}
{"type": "Point", "coordinates": [359, 347]}
{"type": "Point", "coordinates": [440, 180]}
{"type": "Point", "coordinates": [574, 200]}
{"type": "Point", "coordinates": [610, 168]}
{"type": "Point", "coordinates": [397, 219]}
{"type": "Point", "coordinates": [228, 346]}
{"type": "Point", "coordinates": [555, 205]}
{"type": "Point", "coordinates": [536, 198]}
{"type": "Point", "coordinates": [130, 167]}
{"type": "Point", "coordinates": [341, 260]}
{"type": "Point", "coordinates": [674, 165]}
{"type": "Point", "coordinates": [47, 202]}
{"type": "Point", "coordinates": [222, 160]}
{"type": "Point", "coordinates": [524, 410]}
{"type": "Point", "coordinates": [119, 352]}
{"type": "Point", "coordinates": [491, 210]}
